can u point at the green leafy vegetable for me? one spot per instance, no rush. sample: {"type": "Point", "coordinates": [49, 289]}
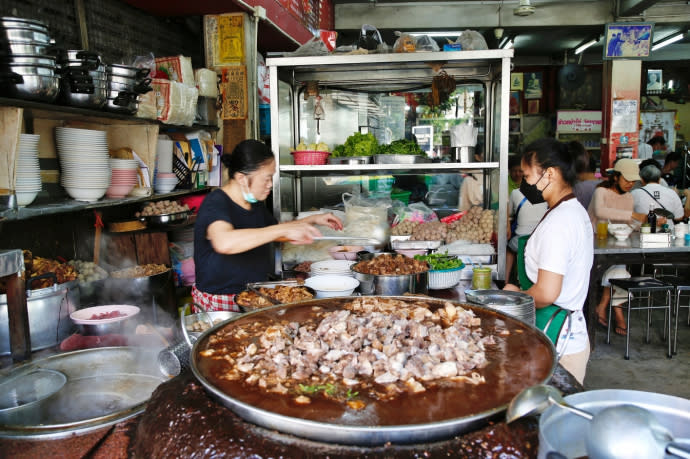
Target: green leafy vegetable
{"type": "Point", "coordinates": [357, 145]}
{"type": "Point", "coordinates": [400, 147]}
{"type": "Point", "coordinates": [440, 261]}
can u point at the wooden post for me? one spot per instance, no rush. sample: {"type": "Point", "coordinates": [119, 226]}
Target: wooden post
{"type": "Point", "coordinates": [18, 318]}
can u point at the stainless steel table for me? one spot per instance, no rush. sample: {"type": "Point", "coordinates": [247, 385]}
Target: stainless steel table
{"type": "Point", "coordinates": [611, 252]}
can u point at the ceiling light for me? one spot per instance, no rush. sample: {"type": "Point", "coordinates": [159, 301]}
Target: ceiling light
{"type": "Point", "coordinates": [583, 47]}
{"type": "Point", "coordinates": [668, 41]}
{"type": "Point", "coordinates": [438, 33]}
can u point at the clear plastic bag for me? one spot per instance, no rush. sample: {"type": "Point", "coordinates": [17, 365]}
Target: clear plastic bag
{"type": "Point", "coordinates": [366, 216]}
{"type": "Point", "coordinates": [415, 212]}
{"type": "Point", "coordinates": [405, 43]}
{"type": "Point", "coordinates": [426, 43]}
{"type": "Point", "coordinates": [370, 39]}
{"type": "Point", "coordinates": [471, 40]}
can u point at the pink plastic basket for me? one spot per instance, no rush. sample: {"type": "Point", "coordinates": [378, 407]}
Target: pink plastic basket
{"type": "Point", "coordinates": [310, 157]}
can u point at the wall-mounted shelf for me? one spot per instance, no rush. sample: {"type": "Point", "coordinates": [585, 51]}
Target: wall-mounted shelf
{"type": "Point", "coordinates": [364, 169]}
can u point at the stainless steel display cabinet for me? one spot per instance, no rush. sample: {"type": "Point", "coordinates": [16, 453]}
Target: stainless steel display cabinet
{"type": "Point", "coordinates": [384, 94]}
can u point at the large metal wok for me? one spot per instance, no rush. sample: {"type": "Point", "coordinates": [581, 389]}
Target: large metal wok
{"type": "Point", "coordinates": [521, 358]}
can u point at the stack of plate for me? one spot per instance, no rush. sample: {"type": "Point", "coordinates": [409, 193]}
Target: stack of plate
{"type": "Point", "coordinates": [28, 182]}
{"type": "Point", "coordinates": [336, 267]}
{"type": "Point", "coordinates": [165, 182]}
{"type": "Point", "coordinates": [84, 166]}
{"type": "Point", "coordinates": [516, 304]}
{"type": "Point", "coordinates": [123, 177]}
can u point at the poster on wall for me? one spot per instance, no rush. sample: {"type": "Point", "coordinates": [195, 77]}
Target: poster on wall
{"type": "Point", "coordinates": [655, 82]}
{"type": "Point", "coordinates": [514, 103]}
{"type": "Point", "coordinates": [628, 40]}
{"type": "Point", "coordinates": [516, 81]}
{"type": "Point", "coordinates": [659, 123]}
{"type": "Point", "coordinates": [624, 116]}
{"type": "Point", "coordinates": [533, 85]}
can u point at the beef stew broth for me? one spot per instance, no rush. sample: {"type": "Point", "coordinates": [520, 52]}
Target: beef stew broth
{"type": "Point", "coordinates": [519, 358]}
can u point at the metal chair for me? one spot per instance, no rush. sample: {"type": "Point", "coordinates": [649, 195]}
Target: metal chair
{"type": "Point", "coordinates": [681, 288]}
{"type": "Point", "coordinates": [640, 289]}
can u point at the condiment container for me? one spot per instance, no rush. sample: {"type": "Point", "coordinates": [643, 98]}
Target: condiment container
{"type": "Point", "coordinates": [481, 278]}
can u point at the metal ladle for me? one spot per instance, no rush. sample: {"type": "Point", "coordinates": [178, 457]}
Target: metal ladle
{"type": "Point", "coordinates": [630, 431]}
{"type": "Point", "coordinates": [535, 400]}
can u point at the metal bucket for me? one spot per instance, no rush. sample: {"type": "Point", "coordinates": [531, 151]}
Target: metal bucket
{"type": "Point", "coordinates": [49, 309]}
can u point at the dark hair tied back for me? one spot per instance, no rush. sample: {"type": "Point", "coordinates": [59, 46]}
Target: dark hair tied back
{"type": "Point", "coordinates": [549, 152]}
{"type": "Point", "coordinates": [248, 156]}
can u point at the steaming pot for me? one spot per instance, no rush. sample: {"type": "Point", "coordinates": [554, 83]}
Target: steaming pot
{"type": "Point", "coordinates": [49, 309]}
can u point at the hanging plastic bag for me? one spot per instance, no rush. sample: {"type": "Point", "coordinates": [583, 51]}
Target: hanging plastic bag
{"type": "Point", "coordinates": [426, 43]}
{"type": "Point", "coordinates": [370, 39]}
{"type": "Point", "coordinates": [405, 43]}
{"type": "Point", "coordinates": [366, 216]}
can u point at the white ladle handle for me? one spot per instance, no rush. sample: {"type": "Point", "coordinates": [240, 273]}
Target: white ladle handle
{"type": "Point", "coordinates": [678, 450]}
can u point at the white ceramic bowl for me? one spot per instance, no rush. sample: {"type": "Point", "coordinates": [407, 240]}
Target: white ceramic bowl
{"type": "Point", "coordinates": [345, 252]}
{"type": "Point", "coordinates": [327, 285]}
{"type": "Point", "coordinates": [620, 231]}
{"type": "Point", "coordinates": [24, 198]}
{"type": "Point", "coordinates": [85, 194]}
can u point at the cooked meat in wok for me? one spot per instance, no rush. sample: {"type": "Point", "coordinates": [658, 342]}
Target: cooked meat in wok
{"type": "Point", "coordinates": [391, 265]}
{"type": "Point", "coordinates": [382, 346]}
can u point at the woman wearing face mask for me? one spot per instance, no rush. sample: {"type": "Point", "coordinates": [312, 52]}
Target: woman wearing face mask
{"type": "Point", "coordinates": [233, 229]}
{"type": "Point", "coordinates": [558, 256]}
{"type": "Point", "coordinates": [613, 202]}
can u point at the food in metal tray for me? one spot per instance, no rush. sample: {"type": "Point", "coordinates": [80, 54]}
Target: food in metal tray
{"type": "Point", "coordinates": [429, 231]}
{"type": "Point", "coordinates": [280, 294]}
{"type": "Point", "coordinates": [150, 269]}
{"type": "Point", "coordinates": [477, 226]}
{"type": "Point", "coordinates": [163, 207]}
{"type": "Point", "coordinates": [383, 347]}
{"type": "Point", "coordinates": [391, 265]}
{"type": "Point", "coordinates": [404, 228]}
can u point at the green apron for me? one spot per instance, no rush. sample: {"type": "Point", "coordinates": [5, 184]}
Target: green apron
{"type": "Point", "coordinates": [549, 319]}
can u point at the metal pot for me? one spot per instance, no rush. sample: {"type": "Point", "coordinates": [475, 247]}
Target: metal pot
{"type": "Point", "coordinates": [140, 291]}
{"type": "Point", "coordinates": [30, 87]}
{"type": "Point", "coordinates": [372, 284]}
{"type": "Point", "coordinates": [25, 69]}
{"type": "Point", "coordinates": [140, 87]}
{"type": "Point", "coordinates": [122, 102]}
{"type": "Point", "coordinates": [26, 35]}
{"type": "Point", "coordinates": [24, 398]}
{"type": "Point", "coordinates": [49, 309]}
{"type": "Point", "coordinates": [119, 70]}
{"type": "Point", "coordinates": [10, 21]}
{"type": "Point", "coordinates": [566, 434]}
{"type": "Point", "coordinates": [81, 58]}
{"type": "Point", "coordinates": [24, 48]}
{"type": "Point", "coordinates": [30, 60]}
{"type": "Point", "coordinates": [83, 95]}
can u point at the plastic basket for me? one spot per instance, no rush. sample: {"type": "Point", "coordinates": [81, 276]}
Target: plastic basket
{"type": "Point", "coordinates": [182, 173]}
{"type": "Point", "coordinates": [401, 195]}
{"type": "Point", "coordinates": [444, 278]}
{"type": "Point", "coordinates": [310, 157]}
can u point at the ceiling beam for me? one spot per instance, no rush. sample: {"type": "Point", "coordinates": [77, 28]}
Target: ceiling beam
{"type": "Point", "coordinates": [634, 7]}
{"type": "Point", "coordinates": [429, 15]}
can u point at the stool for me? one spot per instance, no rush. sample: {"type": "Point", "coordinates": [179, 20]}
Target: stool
{"type": "Point", "coordinates": [642, 288]}
{"type": "Point", "coordinates": [681, 287]}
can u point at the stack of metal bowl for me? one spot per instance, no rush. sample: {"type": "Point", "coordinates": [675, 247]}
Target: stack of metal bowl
{"type": "Point", "coordinates": [517, 304]}
{"type": "Point", "coordinates": [125, 83]}
{"type": "Point", "coordinates": [84, 81]}
{"type": "Point", "coordinates": [27, 69]}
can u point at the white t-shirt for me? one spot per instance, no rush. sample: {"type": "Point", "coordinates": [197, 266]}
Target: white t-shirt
{"type": "Point", "coordinates": [666, 196]}
{"type": "Point", "coordinates": [563, 244]}
{"type": "Point", "coordinates": [529, 214]}
{"type": "Point", "coordinates": [644, 151]}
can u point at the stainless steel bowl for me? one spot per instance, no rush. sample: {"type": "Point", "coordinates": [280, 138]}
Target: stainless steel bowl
{"type": "Point", "coordinates": [26, 35]}
{"type": "Point", "coordinates": [167, 219]}
{"type": "Point", "coordinates": [351, 160]}
{"type": "Point", "coordinates": [393, 285]}
{"type": "Point", "coordinates": [23, 397]}
{"type": "Point", "coordinates": [31, 87]}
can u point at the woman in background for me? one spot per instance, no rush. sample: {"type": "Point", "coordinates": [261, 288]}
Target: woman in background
{"type": "Point", "coordinates": [234, 229]}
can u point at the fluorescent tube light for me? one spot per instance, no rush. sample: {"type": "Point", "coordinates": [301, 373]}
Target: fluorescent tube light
{"type": "Point", "coordinates": [508, 44]}
{"type": "Point", "coordinates": [438, 33]}
{"type": "Point", "coordinates": [668, 41]}
{"type": "Point", "coordinates": [581, 48]}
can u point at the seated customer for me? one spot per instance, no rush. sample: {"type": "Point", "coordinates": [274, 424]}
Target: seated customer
{"type": "Point", "coordinates": [668, 172]}
{"type": "Point", "coordinates": [613, 202]}
{"type": "Point", "coordinates": [587, 181]}
{"type": "Point", "coordinates": [653, 195]}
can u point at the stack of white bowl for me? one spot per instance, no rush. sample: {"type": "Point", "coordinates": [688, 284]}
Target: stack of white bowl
{"type": "Point", "coordinates": [123, 177]}
{"type": "Point", "coordinates": [85, 170]}
{"type": "Point", "coordinates": [165, 182]}
{"type": "Point", "coordinates": [28, 181]}
{"type": "Point", "coordinates": [336, 267]}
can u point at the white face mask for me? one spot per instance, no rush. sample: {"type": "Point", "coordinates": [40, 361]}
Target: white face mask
{"type": "Point", "coordinates": [248, 195]}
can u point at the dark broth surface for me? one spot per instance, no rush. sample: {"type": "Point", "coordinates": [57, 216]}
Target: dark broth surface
{"type": "Point", "coordinates": [518, 360]}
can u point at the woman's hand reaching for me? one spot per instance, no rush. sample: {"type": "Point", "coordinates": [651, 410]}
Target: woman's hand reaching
{"type": "Point", "coordinates": [327, 219]}
{"type": "Point", "coordinates": [300, 232]}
